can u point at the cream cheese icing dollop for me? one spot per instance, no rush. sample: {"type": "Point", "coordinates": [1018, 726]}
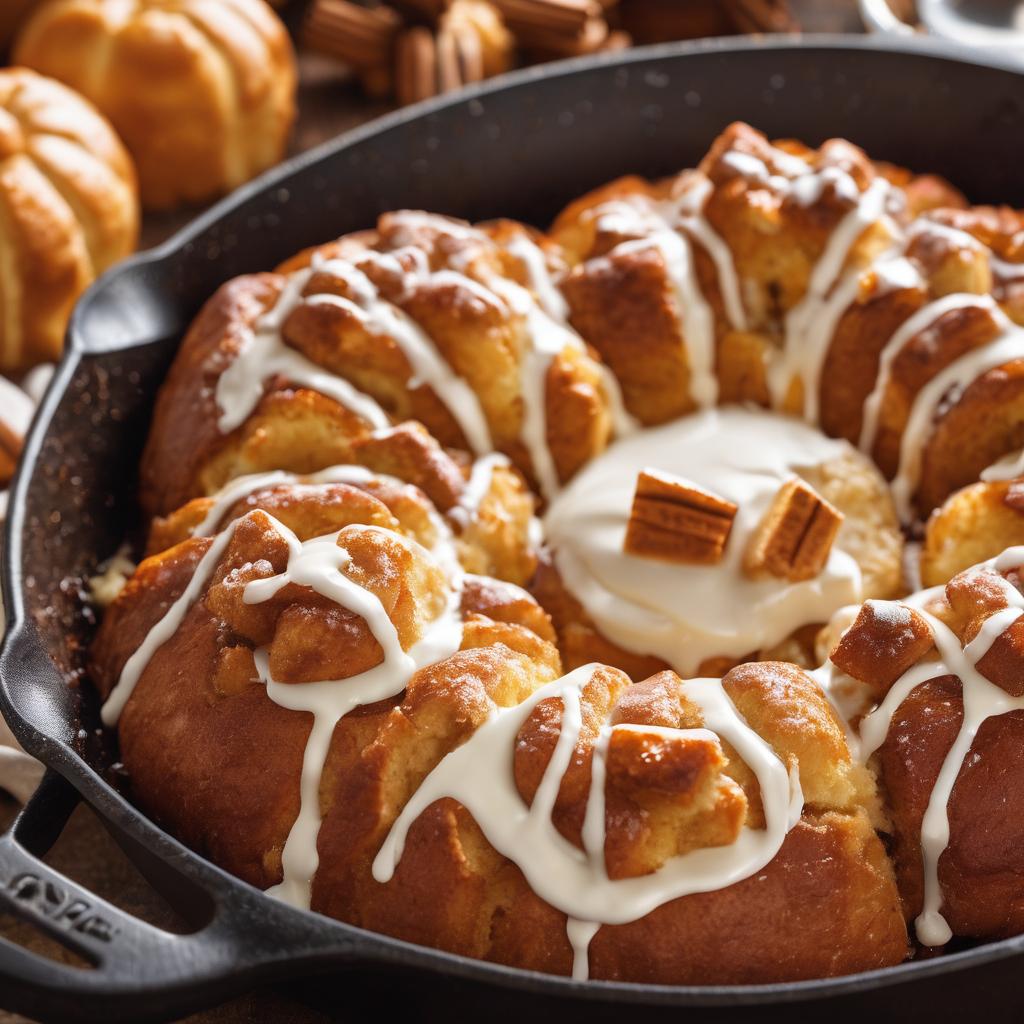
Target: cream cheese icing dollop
{"type": "Point", "coordinates": [686, 614]}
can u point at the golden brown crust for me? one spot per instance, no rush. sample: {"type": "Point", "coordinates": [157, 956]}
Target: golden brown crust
{"type": "Point", "coordinates": [853, 928]}
{"type": "Point", "coordinates": [203, 94]}
{"type": "Point", "coordinates": [981, 870]}
{"type": "Point", "coordinates": [622, 304]}
{"type": "Point", "coordinates": [68, 210]}
{"type": "Point", "coordinates": [883, 642]}
{"type": "Point", "coordinates": [184, 434]}
{"type": "Point", "coordinates": [986, 423]}
{"type": "Point", "coordinates": [469, 900]}
{"type": "Point", "coordinates": [922, 358]}
{"type": "Point", "coordinates": [455, 282]}
{"type": "Point", "coordinates": [746, 216]}
{"type": "Point", "coordinates": [971, 526]}
{"type": "Point", "coordinates": [852, 362]}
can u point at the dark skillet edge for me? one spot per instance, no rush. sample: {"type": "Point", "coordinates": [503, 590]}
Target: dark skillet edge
{"type": "Point", "coordinates": [278, 175]}
{"type": "Point", "coordinates": [319, 951]}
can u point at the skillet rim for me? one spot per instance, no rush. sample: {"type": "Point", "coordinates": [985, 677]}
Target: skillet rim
{"type": "Point", "coordinates": [22, 643]}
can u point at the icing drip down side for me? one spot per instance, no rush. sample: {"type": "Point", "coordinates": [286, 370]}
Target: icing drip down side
{"type": "Point", "coordinates": [478, 774]}
{"type": "Point", "coordinates": [982, 699]}
{"type": "Point", "coordinates": [319, 564]}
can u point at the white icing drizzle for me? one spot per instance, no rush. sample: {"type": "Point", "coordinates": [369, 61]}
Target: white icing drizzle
{"type": "Point", "coordinates": [914, 325]}
{"type": "Point", "coordinates": [798, 181]}
{"type": "Point", "coordinates": [549, 332]}
{"type": "Point", "coordinates": [928, 401]}
{"type": "Point", "coordinates": [404, 223]}
{"type": "Point", "coordinates": [809, 325]}
{"type": "Point", "coordinates": [542, 284]}
{"type": "Point", "coordinates": [318, 564]}
{"type": "Point", "coordinates": [479, 775]}
{"type": "Point", "coordinates": [690, 206]}
{"type": "Point", "coordinates": [264, 354]}
{"type": "Point", "coordinates": [1004, 270]}
{"type": "Point", "coordinates": [548, 339]}
{"type": "Point", "coordinates": [443, 550]}
{"type": "Point", "coordinates": [814, 321]}
{"type": "Point", "coordinates": [848, 697]}
{"type": "Point", "coordinates": [955, 236]}
{"type": "Point", "coordinates": [242, 486]}
{"type": "Point", "coordinates": [555, 308]}
{"type": "Point", "coordinates": [580, 934]}
{"type": "Point", "coordinates": [895, 273]}
{"type": "Point", "coordinates": [1009, 467]}
{"type": "Point", "coordinates": [982, 700]}
{"type": "Point", "coordinates": [695, 315]}
{"type": "Point", "coordinates": [163, 630]}
{"type": "Point", "coordinates": [657, 225]}
{"type": "Point", "coordinates": [546, 313]}
{"type": "Point", "coordinates": [427, 364]}
{"type": "Point", "coordinates": [477, 486]}
{"type": "Point", "coordinates": [685, 614]}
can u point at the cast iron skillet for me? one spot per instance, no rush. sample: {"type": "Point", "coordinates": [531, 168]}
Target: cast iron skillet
{"type": "Point", "coordinates": [521, 147]}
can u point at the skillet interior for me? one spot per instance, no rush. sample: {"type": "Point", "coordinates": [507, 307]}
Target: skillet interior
{"type": "Point", "coordinates": [519, 149]}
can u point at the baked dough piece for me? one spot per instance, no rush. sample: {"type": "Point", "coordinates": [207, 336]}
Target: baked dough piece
{"type": "Point", "coordinates": [11, 15]}
{"type": "Point", "coordinates": [203, 94]}
{"type": "Point", "coordinates": [426, 318]}
{"type": "Point", "coordinates": [942, 677]}
{"type": "Point", "coordinates": [68, 210]}
{"type": "Point", "coordinates": [973, 525]}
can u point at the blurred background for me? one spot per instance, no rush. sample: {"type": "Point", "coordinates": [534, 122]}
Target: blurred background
{"type": "Point", "coordinates": [151, 144]}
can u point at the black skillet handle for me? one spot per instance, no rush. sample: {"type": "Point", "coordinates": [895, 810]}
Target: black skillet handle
{"type": "Point", "coordinates": [139, 972]}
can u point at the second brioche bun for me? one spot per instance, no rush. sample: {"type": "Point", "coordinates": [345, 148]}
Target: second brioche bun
{"type": "Point", "coordinates": [202, 94]}
{"type": "Point", "coordinates": [68, 210]}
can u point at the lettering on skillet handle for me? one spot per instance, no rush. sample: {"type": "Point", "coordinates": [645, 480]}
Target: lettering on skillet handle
{"type": "Point", "coordinates": [47, 899]}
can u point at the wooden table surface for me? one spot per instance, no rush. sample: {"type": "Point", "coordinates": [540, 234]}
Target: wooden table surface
{"type": "Point", "coordinates": [329, 104]}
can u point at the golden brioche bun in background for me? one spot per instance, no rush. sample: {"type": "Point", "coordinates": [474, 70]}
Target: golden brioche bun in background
{"type": "Point", "coordinates": [68, 210]}
{"type": "Point", "coordinates": [202, 94]}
